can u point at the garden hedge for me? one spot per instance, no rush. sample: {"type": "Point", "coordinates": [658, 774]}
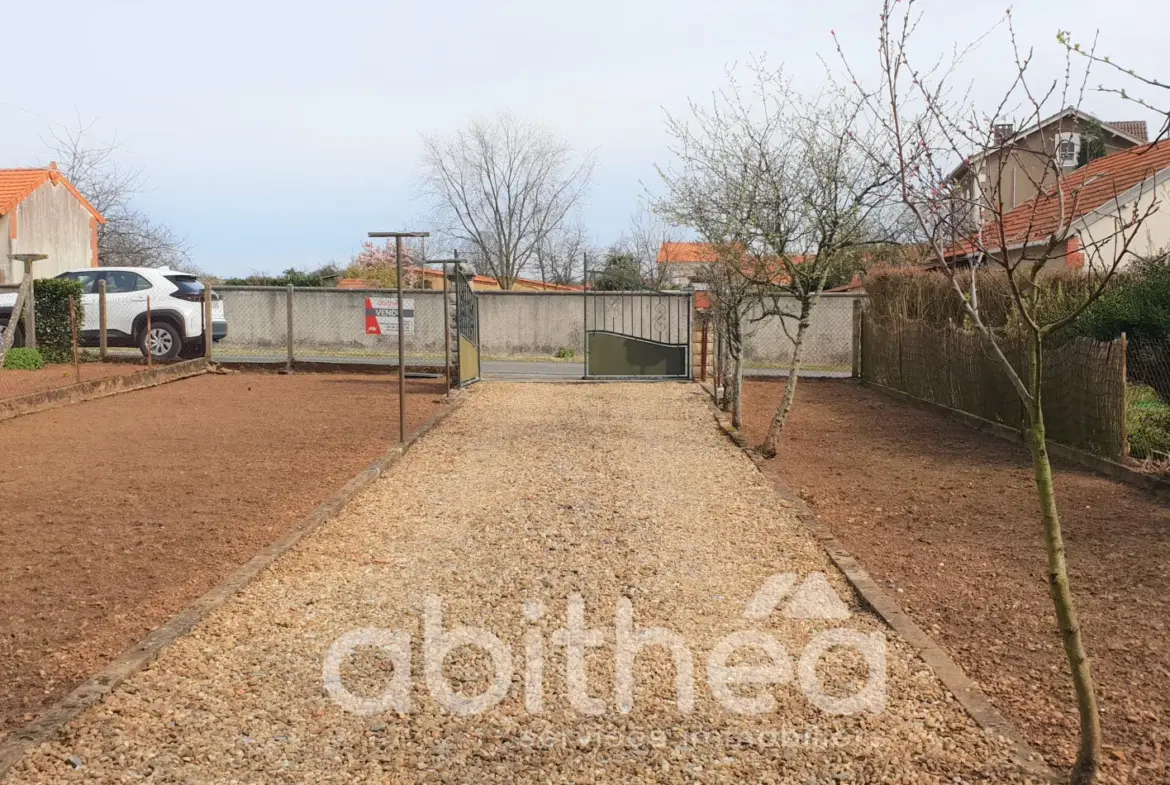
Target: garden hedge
{"type": "Point", "coordinates": [54, 332]}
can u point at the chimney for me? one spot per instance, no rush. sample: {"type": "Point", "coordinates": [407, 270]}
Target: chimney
{"type": "Point", "coordinates": [53, 165]}
{"type": "Point", "coordinates": [1001, 132]}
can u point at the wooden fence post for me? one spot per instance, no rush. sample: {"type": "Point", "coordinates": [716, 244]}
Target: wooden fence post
{"type": "Point", "coordinates": [103, 320]}
{"type": "Point", "coordinates": [73, 332]}
{"type": "Point", "coordinates": [857, 370]}
{"type": "Point", "coordinates": [1124, 394]}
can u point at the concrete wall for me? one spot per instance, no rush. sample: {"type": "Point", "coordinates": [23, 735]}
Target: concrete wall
{"type": "Point", "coordinates": [51, 221]}
{"type": "Point", "coordinates": [533, 324]}
{"type": "Point", "coordinates": [828, 344]}
{"type": "Point", "coordinates": [512, 324]}
{"type": "Point", "coordinates": [329, 321]}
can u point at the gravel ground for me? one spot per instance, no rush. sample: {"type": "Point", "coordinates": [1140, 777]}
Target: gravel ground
{"type": "Point", "coordinates": [531, 494]}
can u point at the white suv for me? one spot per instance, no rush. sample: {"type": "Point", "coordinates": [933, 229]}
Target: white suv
{"type": "Point", "coordinates": [176, 310]}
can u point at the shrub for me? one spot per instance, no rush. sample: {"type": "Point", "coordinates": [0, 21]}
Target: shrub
{"type": "Point", "coordinates": [1147, 422]}
{"type": "Point", "coordinates": [565, 353]}
{"type": "Point", "coordinates": [19, 359]}
{"type": "Point", "coordinates": [54, 331]}
{"type": "Point", "coordinates": [929, 296]}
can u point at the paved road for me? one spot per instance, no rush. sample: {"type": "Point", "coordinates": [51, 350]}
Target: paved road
{"type": "Point", "coordinates": [560, 584]}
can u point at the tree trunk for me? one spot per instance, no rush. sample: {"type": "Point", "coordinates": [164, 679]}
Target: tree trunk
{"type": "Point", "coordinates": [1089, 752]}
{"type": "Point", "coordinates": [735, 352]}
{"type": "Point", "coordinates": [768, 447]}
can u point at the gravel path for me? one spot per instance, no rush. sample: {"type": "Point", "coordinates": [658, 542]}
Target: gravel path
{"type": "Point", "coordinates": [625, 495]}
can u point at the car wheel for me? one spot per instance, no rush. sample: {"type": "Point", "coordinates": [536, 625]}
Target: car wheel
{"type": "Point", "coordinates": [163, 342]}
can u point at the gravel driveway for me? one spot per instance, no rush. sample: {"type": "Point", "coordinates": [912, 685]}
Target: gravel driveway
{"type": "Point", "coordinates": [619, 504]}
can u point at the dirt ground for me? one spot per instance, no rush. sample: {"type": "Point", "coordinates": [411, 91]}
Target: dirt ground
{"type": "Point", "coordinates": [947, 517]}
{"type": "Point", "coordinates": [117, 512]}
{"type": "Point", "coordinates": [14, 384]}
{"type": "Point", "coordinates": [560, 501]}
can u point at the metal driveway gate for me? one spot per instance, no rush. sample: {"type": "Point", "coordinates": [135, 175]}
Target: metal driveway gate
{"type": "Point", "coordinates": [638, 335]}
{"type": "Point", "coordinates": [466, 329]}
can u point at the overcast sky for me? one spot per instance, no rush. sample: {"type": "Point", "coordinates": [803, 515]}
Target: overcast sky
{"type": "Point", "coordinates": [276, 134]}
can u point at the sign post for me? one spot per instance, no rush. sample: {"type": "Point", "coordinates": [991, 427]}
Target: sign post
{"type": "Point", "coordinates": [400, 323]}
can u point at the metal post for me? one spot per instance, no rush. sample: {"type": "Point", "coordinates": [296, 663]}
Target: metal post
{"type": "Point", "coordinates": [289, 328]}
{"type": "Point", "coordinates": [209, 327]}
{"type": "Point", "coordinates": [398, 254]}
{"type": "Point", "coordinates": [585, 310]}
{"type": "Point", "coordinates": [103, 321]}
{"type": "Point", "coordinates": [148, 352]}
{"type": "Point", "coordinates": [401, 344]}
{"type": "Point", "coordinates": [73, 330]}
{"type": "Point", "coordinates": [690, 338]}
{"type": "Point", "coordinates": [447, 327]}
{"type": "Point", "coordinates": [30, 308]}
{"type": "Point", "coordinates": [703, 352]}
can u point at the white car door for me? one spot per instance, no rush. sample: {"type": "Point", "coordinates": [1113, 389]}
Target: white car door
{"type": "Point", "coordinates": [90, 318]}
{"type": "Point", "coordinates": [125, 299]}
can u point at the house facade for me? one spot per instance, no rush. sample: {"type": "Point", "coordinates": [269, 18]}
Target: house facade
{"type": "Point", "coordinates": [1019, 167]}
{"type": "Point", "coordinates": [684, 264]}
{"type": "Point", "coordinates": [41, 212]}
{"type": "Point", "coordinates": [1088, 222]}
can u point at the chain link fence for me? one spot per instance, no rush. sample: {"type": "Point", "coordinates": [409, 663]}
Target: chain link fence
{"type": "Point", "coordinates": [344, 326]}
{"type": "Point", "coordinates": [828, 344]}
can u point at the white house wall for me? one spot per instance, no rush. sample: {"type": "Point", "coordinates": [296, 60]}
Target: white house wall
{"type": "Point", "coordinates": [5, 262]}
{"type": "Point", "coordinates": [1152, 236]}
{"type": "Point", "coordinates": [51, 221]}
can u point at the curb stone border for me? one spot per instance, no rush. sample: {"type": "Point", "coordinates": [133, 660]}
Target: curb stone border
{"type": "Point", "coordinates": [100, 388]}
{"type": "Point", "coordinates": [966, 692]}
{"type": "Point", "coordinates": [136, 658]}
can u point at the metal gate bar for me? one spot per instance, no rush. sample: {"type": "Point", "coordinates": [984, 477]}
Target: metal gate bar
{"type": "Point", "coordinates": [654, 341]}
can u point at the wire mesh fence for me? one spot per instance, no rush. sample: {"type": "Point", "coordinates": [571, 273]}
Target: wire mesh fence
{"type": "Point", "coordinates": [285, 324]}
{"type": "Point", "coordinates": [1083, 381]}
{"type": "Point", "coordinates": [770, 329]}
{"type": "Point", "coordinates": [51, 353]}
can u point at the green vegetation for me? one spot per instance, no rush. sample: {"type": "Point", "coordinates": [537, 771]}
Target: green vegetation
{"type": "Point", "coordinates": [565, 353]}
{"type": "Point", "coordinates": [290, 277]}
{"type": "Point", "coordinates": [1147, 422]}
{"type": "Point", "coordinates": [620, 273]}
{"type": "Point", "coordinates": [54, 330]}
{"type": "Point", "coordinates": [19, 359]}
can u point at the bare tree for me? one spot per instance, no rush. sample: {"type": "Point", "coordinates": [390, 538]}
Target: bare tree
{"type": "Point", "coordinates": [1143, 81]}
{"type": "Point", "coordinates": [129, 237]}
{"type": "Point", "coordinates": [789, 183]}
{"type": "Point", "coordinates": [558, 257]}
{"type": "Point", "coordinates": [502, 186]}
{"type": "Point", "coordinates": [926, 131]}
{"type": "Point", "coordinates": [642, 240]}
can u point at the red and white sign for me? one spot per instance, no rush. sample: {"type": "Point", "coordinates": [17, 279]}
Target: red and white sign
{"type": "Point", "coordinates": [382, 316]}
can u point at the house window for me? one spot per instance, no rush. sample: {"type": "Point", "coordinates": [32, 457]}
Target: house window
{"type": "Point", "coordinates": [1068, 149]}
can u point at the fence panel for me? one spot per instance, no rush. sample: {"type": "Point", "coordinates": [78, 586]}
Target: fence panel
{"type": "Point", "coordinates": [1083, 381]}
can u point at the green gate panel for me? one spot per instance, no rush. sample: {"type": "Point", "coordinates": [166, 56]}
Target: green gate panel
{"type": "Point", "coordinates": [611, 354]}
{"type": "Point", "coordinates": [468, 361]}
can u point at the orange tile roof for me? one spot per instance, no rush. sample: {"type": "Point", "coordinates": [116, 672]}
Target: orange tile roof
{"type": "Point", "coordinates": [17, 184]}
{"type": "Point", "coordinates": [687, 253]}
{"type": "Point", "coordinates": [1087, 189]}
{"type": "Point", "coordinates": [485, 279]}
{"type": "Point", "coordinates": [1135, 128]}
